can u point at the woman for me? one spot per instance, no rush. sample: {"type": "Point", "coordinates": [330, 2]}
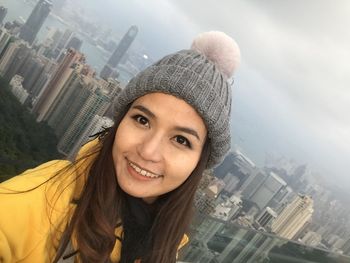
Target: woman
{"type": "Point", "coordinates": [128, 196]}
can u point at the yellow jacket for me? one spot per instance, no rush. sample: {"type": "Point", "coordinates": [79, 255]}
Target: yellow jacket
{"type": "Point", "coordinates": [32, 222]}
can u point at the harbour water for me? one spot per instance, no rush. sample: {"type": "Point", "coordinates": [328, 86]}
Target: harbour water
{"type": "Point", "coordinates": [21, 9]}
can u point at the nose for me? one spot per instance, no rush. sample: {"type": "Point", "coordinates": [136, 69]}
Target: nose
{"type": "Point", "coordinates": [151, 148]}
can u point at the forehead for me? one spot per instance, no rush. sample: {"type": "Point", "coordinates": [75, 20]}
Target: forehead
{"type": "Point", "coordinates": [176, 110]}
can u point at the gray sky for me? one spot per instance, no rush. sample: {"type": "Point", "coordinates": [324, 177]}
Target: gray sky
{"type": "Point", "coordinates": [293, 86]}
{"type": "Point", "coordinates": [290, 95]}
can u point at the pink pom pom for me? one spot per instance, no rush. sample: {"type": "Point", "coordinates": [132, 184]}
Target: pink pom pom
{"type": "Point", "coordinates": [219, 48]}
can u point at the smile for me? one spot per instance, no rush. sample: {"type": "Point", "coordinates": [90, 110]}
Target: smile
{"type": "Point", "coordinates": [143, 172]}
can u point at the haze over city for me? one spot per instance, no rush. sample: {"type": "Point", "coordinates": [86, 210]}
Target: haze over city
{"type": "Point", "coordinates": [290, 96]}
{"type": "Point", "coordinates": [280, 194]}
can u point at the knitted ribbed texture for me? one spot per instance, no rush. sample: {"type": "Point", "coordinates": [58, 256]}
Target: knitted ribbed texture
{"type": "Point", "coordinates": [190, 76]}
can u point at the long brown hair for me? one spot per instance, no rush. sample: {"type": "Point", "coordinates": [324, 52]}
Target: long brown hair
{"type": "Point", "coordinates": [100, 206]}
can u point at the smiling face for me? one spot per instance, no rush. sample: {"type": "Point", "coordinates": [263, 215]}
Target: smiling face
{"type": "Point", "coordinates": [157, 145]}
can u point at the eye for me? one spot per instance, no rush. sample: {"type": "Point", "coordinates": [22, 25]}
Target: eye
{"type": "Point", "coordinates": [141, 120]}
{"type": "Point", "coordinates": [183, 141]}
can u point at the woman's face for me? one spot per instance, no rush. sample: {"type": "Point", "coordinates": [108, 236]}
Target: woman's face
{"type": "Point", "coordinates": [157, 145]}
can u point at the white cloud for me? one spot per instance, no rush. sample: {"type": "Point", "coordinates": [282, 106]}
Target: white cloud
{"type": "Point", "coordinates": [302, 51]}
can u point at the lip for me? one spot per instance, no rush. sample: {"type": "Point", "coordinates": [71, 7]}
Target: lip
{"type": "Point", "coordinates": [136, 175]}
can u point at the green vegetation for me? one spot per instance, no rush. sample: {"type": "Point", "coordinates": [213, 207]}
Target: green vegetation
{"type": "Point", "coordinates": [24, 143]}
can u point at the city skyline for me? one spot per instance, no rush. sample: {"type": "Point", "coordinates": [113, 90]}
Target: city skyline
{"type": "Point", "coordinates": [283, 197]}
{"type": "Point", "coordinates": [285, 92]}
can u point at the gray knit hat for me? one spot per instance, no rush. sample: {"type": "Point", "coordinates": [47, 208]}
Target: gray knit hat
{"type": "Point", "coordinates": [199, 77]}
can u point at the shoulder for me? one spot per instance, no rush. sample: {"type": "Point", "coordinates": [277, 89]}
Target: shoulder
{"type": "Point", "coordinates": [36, 205]}
{"type": "Point", "coordinates": [32, 177]}
{"type": "Point", "coordinates": [25, 202]}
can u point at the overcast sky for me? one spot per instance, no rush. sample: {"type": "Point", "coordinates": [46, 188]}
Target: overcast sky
{"type": "Point", "coordinates": [291, 93]}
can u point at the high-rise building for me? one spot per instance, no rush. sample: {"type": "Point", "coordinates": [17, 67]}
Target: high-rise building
{"type": "Point", "coordinates": [3, 12]}
{"type": "Point", "coordinates": [226, 243]}
{"type": "Point", "coordinates": [231, 182]}
{"type": "Point", "coordinates": [7, 56]}
{"type": "Point", "coordinates": [72, 98]}
{"type": "Point", "coordinates": [311, 239]}
{"type": "Point", "coordinates": [17, 89]}
{"type": "Point", "coordinates": [36, 84]}
{"type": "Point", "coordinates": [56, 42]}
{"type": "Point", "coordinates": [31, 71]}
{"type": "Point", "coordinates": [96, 125]}
{"type": "Point", "coordinates": [236, 169]}
{"type": "Point", "coordinates": [96, 104]}
{"type": "Point", "coordinates": [266, 217]}
{"type": "Point", "coordinates": [245, 246]}
{"type": "Point", "coordinates": [67, 35]}
{"type": "Point", "coordinates": [285, 195]}
{"type": "Point", "coordinates": [13, 27]}
{"type": "Point", "coordinates": [75, 43]}
{"type": "Point", "coordinates": [35, 21]}
{"type": "Point", "coordinates": [52, 90]}
{"type": "Point", "coordinates": [267, 190]}
{"type": "Point", "coordinates": [51, 42]}
{"type": "Point", "coordinates": [20, 58]}
{"type": "Point", "coordinates": [293, 217]}
{"type": "Point", "coordinates": [252, 184]}
{"type": "Point", "coordinates": [118, 54]}
{"type": "Point", "coordinates": [4, 40]}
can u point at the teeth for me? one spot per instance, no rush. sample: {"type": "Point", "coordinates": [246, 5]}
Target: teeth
{"type": "Point", "coordinates": [143, 172]}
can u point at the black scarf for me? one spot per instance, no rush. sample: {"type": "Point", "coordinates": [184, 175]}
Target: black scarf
{"type": "Point", "coordinates": [137, 221]}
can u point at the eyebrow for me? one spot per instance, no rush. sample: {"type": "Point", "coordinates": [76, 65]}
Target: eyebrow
{"type": "Point", "coordinates": [144, 110]}
{"type": "Point", "coordinates": [188, 130]}
{"type": "Point", "coordinates": [178, 128]}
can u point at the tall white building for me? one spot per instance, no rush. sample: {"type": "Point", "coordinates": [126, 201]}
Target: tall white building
{"type": "Point", "coordinates": [4, 39]}
{"type": "Point", "coordinates": [293, 217]}
{"type": "Point", "coordinates": [97, 124]}
{"type": "Point", "coordinates": [17, 89]}
{"type": "Point", "coordinates": [8, 55]}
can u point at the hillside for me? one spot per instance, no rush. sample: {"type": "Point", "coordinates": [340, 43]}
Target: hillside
{"type": "Point", "coordinates": [24, 143]}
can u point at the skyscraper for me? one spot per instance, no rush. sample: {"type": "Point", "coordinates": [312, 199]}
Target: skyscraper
{"type": "Point", "coordinates": [96, 125]}
{"type": "Point", "coordinates": [118, 54]}
{"type": "Point", "coordinates": [293, 217]}
{"type": "Point", "coordinates": [20, 58]}
{"type": "Point", "coordinates": [7, 56]}
{"type": "Point", "coordinates": [73, 96]}
{"type": "Point", "coordinates": [3, 12]}
{"type": "Point", "coordinates": [35, 21]}
{"type": "Point", "coordinates": [267, 190]}
{"type": "Point", "coordinates": [56, 84]}
{"type": "Point", "coordinates": [96, 104]}
{"type": "Point", "coordinates": [4, 40]}
{"type": "Point", "coordinates": [266, 217]}
{"type": "Point", "coordinates": [75, 43]}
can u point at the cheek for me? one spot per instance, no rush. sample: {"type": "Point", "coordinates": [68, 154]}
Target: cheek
{"type": "Point", "coordinates": [182, 166]}
{"type": "Point", "coordinates": [121, 143]}
{"type": "Point", "coordinates": [124, 136]}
